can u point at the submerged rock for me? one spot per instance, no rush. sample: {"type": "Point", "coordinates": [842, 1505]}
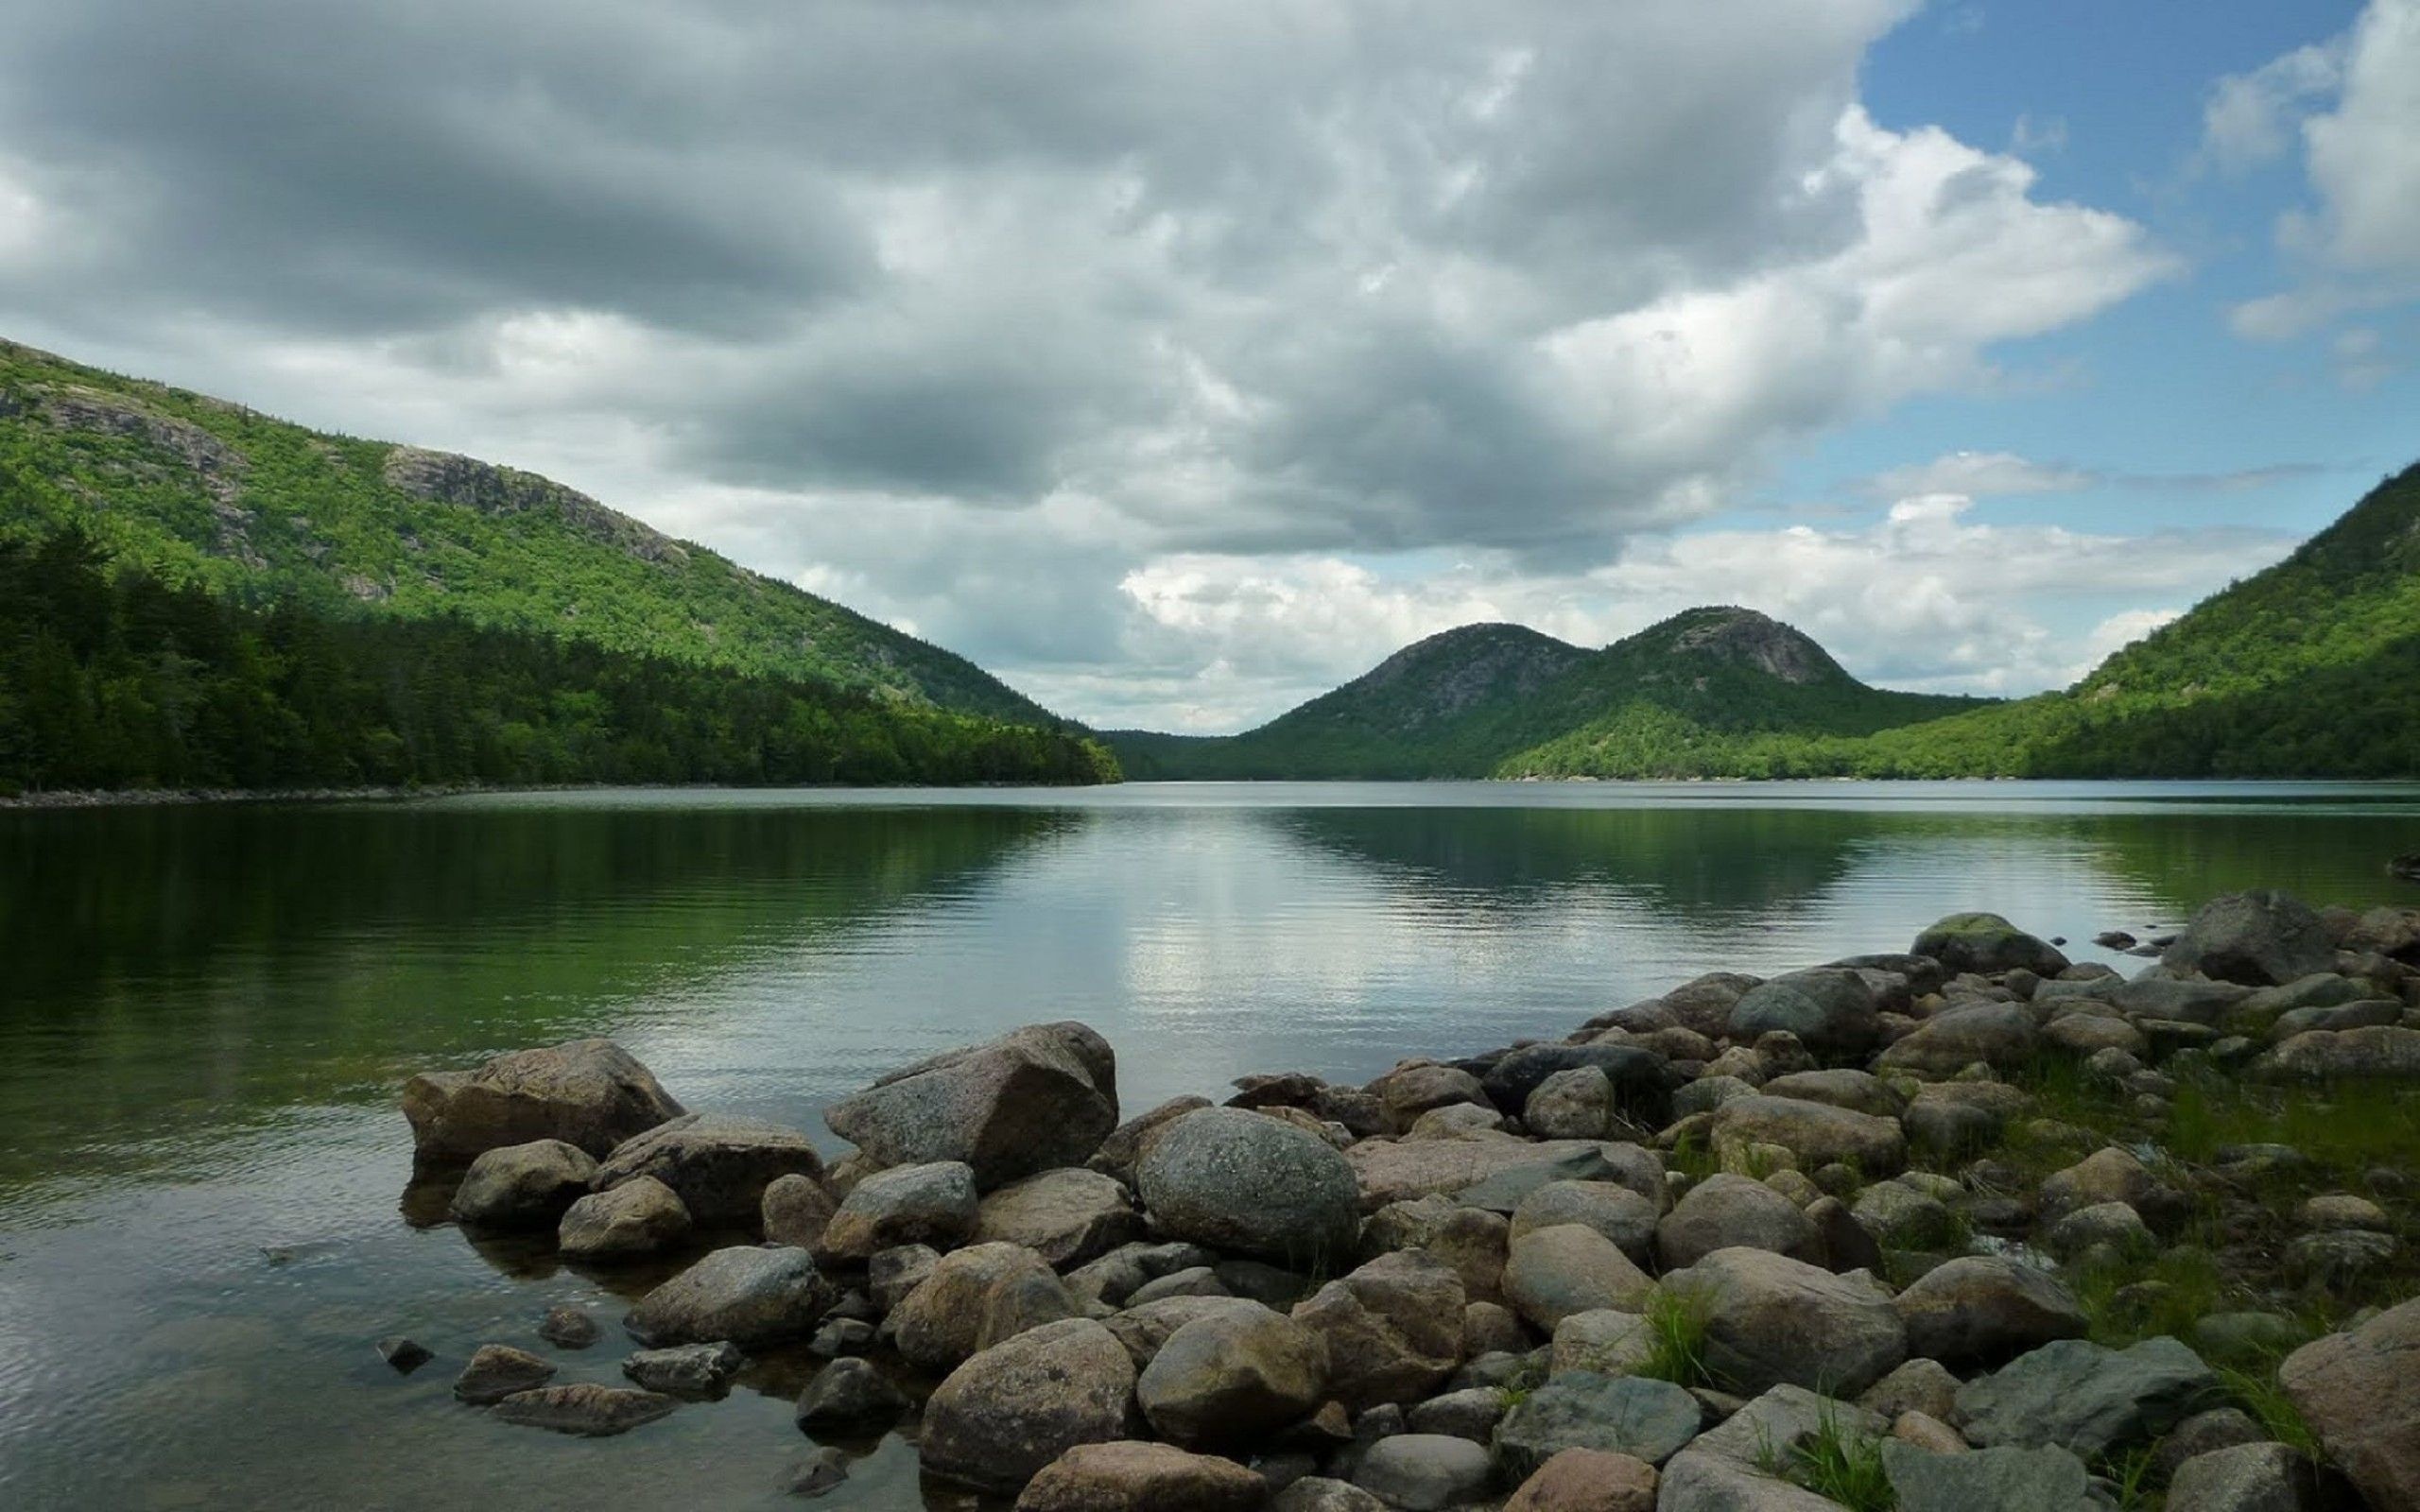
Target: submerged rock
{"type": "Point", "coordinates": [497, 1371]}
{"type": "Point", "coordinates": [695, 1372]}
{"type": "Point", "coordinates": [585, 1409]}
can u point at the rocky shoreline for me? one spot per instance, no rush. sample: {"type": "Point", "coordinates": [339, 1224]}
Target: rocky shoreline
{"type": "Point", "coordinates": [1968, 1227]}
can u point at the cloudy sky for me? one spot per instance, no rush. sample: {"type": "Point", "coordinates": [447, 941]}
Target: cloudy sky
{"type": "Point", "coordinates": [1177, 360]}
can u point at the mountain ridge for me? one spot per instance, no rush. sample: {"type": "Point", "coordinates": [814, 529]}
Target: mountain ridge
{"type": "Point", "coordinates": [203, 489]}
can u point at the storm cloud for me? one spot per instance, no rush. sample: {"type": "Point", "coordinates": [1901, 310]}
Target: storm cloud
{"type": "Point", "coordinates": [979, 314]}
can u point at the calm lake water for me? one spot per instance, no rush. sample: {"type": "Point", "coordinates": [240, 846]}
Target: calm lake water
{"type": "Point", "coordinates": [205, 1014]}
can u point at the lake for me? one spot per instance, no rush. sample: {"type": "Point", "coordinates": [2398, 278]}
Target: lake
{"type": "Point", "coordinates": [205, 1014]}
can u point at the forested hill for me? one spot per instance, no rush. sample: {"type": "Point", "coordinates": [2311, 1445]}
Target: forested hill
{"type": "Point", "coordinates": [199, 490]}
{"type": "Point", "coordinates": [112, 678]}
{"type": "Point", "coordinates": [1466, 702]}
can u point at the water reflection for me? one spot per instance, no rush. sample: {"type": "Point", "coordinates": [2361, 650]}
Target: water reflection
{"type": "Point", "coordinates": [206, 1014]}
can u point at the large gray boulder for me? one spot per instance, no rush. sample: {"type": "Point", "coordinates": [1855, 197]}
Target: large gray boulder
{"type": "Point", "coordinates": [747, 1294]}
{"type": "Point", "coordinates": [1005, 1413]}
{"type": "Point", "coordinates": [2382, 1052]}
{"type": "Point", "coordinates": [1392, 1329]}
{"type": "Point", "coordinates": [971, 1293]}
{"type": "Point", "coordinates": [523, 1186]}
{"type": "Point", "coordinates": [2259, 938]}
{"type": "Point", "coordinates": [1549, 1273]}
{"type": "Point", "coordinates": [1033, 1100]}
{"type": "Point", "coordinates": [1772, 1320]}
{"type": "Point", "coordinates": [1232, 1375]}
{"type": "Point", "coordinates": [1069, 1216]}
{"type": "Point", "coordinates": [718, 1164]}
{"type": "Point", "coordinates": [1128, 1476]}
{"type": "Point", "coordinates": [2000, 1035]}
{"type": "Point", "coordinates": [1424, 1472]}
{"type": "Point", "coordinates": [1238, 1180]}
{"type": "Point", "coordinates": [589, 1093]}
{"type": "Point", "coordinates": [2048, 1479]}
{"type": "Point", "coordinates": [1817, 1133]}
{"type": "Point", "coordinates": [1985, 1309]}
{"type": "Point", "coordinates": [1617, 1212]}
{"type": "Point", "coordinates": [1832, 1011]}
{"type": "Point", "coordinates": [637, 1218]}
{"type": "Point", "coordinates": [2086, 1398]}
{"type": "Point", "coordinates": [1645, 1419]}
{"type": "Point", "coordinates": [932, 1204]}
{"type": "Point", "coordinates": [2360, 1391]}
{"type": "Point", "coordinates": [1987, 945]}
{"type": "Point", "coordinates": [1726, 1212]}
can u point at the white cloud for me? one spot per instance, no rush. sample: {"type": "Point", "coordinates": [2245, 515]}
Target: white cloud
{"type": "Point", "coordinates": [2358, 243]}
{"type": "Point", "coordinates": [1979, 474]}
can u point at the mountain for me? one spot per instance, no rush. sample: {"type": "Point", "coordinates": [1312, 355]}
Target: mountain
{"type": "Point", "coordinates": [192, 595]}
{"type": "Point", "coordinates": [205, 491]}
{"type": "Point", "coordinates": [1471, 701]}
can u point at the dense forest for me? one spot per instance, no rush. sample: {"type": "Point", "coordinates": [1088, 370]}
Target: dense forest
{"type": "Point", "coordinates": [113, 676]}
{"type": "Point", "coordinates": [2310, 668]}
{"type": "Point", "coordinates": [200, 490]}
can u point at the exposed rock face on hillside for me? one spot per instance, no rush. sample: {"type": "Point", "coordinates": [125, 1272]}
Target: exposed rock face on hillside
{"type": "Point", "coordinates": [1749, 638]}
{"type": "Point", "coordinates": [449, 478]}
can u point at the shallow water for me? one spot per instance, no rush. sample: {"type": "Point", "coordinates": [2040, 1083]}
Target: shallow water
{"type": "Point", "coordinates": [205, 1013]}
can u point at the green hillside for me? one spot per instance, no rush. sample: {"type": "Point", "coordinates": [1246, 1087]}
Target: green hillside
{"type": "Point", "coordinates": [1499, 699]}
{"type": "Point", "coordinates": [2310, 668]}
{"type": "Point", "coordinates": [203, 491]}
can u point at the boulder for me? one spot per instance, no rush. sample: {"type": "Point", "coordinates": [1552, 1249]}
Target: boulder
{"type": "Point", "coordinates": [849, 1396]}
{"type": "Point", "coordinates": [1551, 1273]}
{"type": "Point", "coordinates": [1128, 1476]}
{"type": "Point", "coordinates": [1315, 1493]}
{"type": "Point", "coordinates": [1125, 1144]}
{"type": "Point", "coordinates": [523, 1186]}
{"type": "Point", "coordinates": [2085, 1398]}
{"type": "Point", "coordinates": [1901, 1217]}
{"type": "Point", "coordinates": [2109, 1174]}
{"type": "Point", "coordinates": [1606, 1342]}
{"type": "Point", "coordinates": [1861, 1091]}
{"type": "Point", "coordinates": [795, 1211]}
{"type": "Point", "coordinates": [2114, 1224]}
{"type": "Point", "coordinates": [569, 1327]}
{"type": "Point", "coordinates": [2005, 1480]}
{"type": "Point", "coordinates": [1920, 1386]}
{"type": "Point", "coordinates": [2259, 938]}
{"type": "Point", "coordinates": [1471, 1240]}
{"type": "Point", "coordinates": [1146, 1326]}
{"type": "Point", "coordinates": [2000, 1035]}
{"type": "Point", "coordinates": [1573, 1104]}
{"type": "Point", "coordinates": [694, 1372]}
{"type": "Point", "coordinates": [497, 1371]}
{"type": "Point", "coordinates": [894, 1274]}
{"type": "Point", "coordinates": [931, 1204]}
{"type": "Point", "coordinates": [718, 1164]}
{"type": "Point", "coordinates": [1725, 1468]}
{"type": "Point", "coordinates": [1035, 1099]}
{"type": "Point", "coordinates": [1471, 1413]}
{"type": "Point", "coordinates": [1985, 1309]}
{"type": "Point", "coordinates": [1232, 1375]}
{"type": "Point", "coordinates": [588, 1093]}
{"type": "Point", "coordinates": [1617, 1212]}
{"type": "Point", "coordinates": [1704, 1003]}
{"type": "Point", "coordinates": [1235, 1180]}
{"type": "Point", "coordinates": [1772, 1320]}
{"type": "Point", "coordinates": [1587, 1480]}
{"type": "Point", "coordinates": [1005, 1414]}
{"type": "Point", "coordinates": [1392, 1329]}
{"type": "Point", "coordinates": [1638, 1416]}
{"type": "Point", "coordinates": [1831, 1011]}
{"type": "Point", "coordinates": [746, 1295]}
{"type": "Point", "coordinates": [1987, 945]}
{"type": "Point", "coordinates": [1115, 1277]}
{"type": "Point", "coordinates": [1402, 1171]}
{"type": "Point", "coordinates": [1725, 1212]}
{"type": "Point", "coordinates": [2360, 1392]}
{"type": "Point", "coordinates": [1817, 1133]}
{"type": "Point", "coordinates": [1066, 1216]}
{"type": "Point", "coordinates": [2385, 1052]}
{"type": "Point", "coordinates": [944, 1319]}
{"type": "Point", "coordinates": [1407, 1092]}
{"type": "Point", "coordinates": [1637, 1076]}
{"type": "Point", "coordinates": [1424, 1472]}
{"type": "Point", "coordinates": [2261, 1477]}
{"type": "Point", "coordinates": [585, 1409]}
{"type": "Point", "coordinates": [639, 1217]}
